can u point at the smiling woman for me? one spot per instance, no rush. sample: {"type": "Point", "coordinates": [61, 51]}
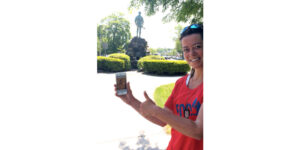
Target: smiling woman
{"type": "Point", "coordinates": [183, 110]}
{"type": "Point", "coordinates": [192, 46]}
{"type": "Point", "coordinates": [187, 97]}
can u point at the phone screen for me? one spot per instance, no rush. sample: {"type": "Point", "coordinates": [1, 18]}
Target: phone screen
{"type": "Point", "coordinates": [121, 83]}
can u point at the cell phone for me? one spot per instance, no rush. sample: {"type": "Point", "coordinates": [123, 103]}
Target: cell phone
{"type": "Point", "coordinates": [121, 83]}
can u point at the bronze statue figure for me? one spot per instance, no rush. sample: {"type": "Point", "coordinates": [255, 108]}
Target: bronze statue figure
{"type": "Point", "coordinates": [139, 21]}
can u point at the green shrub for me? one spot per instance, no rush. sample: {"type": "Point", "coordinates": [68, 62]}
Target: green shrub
{"type": "Point", "coordinates": [150, 57]}
{"type": "Point", "coordinates": [110, 64]}
{"type": "Point", "coordinates": [124, 57]}
{"type": "Point", "coordinates": [161, 95]}
{"type": "Point", "coordinates": [166, 67]}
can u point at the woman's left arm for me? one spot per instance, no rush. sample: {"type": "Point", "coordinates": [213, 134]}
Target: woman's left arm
{"type": "Point", "coordinates": [187, 127]}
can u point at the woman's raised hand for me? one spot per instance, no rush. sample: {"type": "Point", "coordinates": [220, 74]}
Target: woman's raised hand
{"type": "Point", "coordinates": [127, 98]}
{"type": "Point", "coordinates": [147, 108]}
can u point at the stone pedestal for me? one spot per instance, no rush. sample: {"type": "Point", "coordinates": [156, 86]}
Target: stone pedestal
{"type": "Point", "coordinates": [136, 49]}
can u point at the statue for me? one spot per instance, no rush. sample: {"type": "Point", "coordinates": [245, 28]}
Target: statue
{"type": "Point", "coordinates": [137, 48]}
{"type": "Point", "coordinates": [139, 21]}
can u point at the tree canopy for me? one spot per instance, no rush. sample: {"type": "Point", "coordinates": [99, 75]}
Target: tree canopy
{"type": "Point", "coordinates": [99, 39]}
{"type": "Point", "coordinates": [179, 10]}
{"type": "Point", "coordinates": [178, 48]}
{"type": "Point", "coordinates": [115, 31]}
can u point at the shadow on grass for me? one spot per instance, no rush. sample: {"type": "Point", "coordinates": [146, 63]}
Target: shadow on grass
{"type": "Point", "coordinates": [142, 144]}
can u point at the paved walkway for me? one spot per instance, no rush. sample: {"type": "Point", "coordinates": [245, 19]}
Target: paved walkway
{"type": "Point", "coordinates": [121, 126]}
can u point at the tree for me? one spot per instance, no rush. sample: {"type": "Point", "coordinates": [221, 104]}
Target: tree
{"type": "Point", "coordinates": [99, 39]}
{"type": "Point", "coordinates": [164, 51]}
{"type": "Point", "coordinates": [115, 32]}
{"type": "Point", "coordinates": [178, 29]}
{"type": "Point", "coordinates": [172, 52]}
{"type": "Point", "coordinates": [152, 51]}
{"type": "Point", "coordinates": [178, 10]}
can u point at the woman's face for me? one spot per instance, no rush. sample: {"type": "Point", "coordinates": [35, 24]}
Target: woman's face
{"type": "Point", "coordinates": [192, 47]}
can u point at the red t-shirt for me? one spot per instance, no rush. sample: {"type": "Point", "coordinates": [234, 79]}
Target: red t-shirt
{"type": "Point", "coordinates": [185, 102]}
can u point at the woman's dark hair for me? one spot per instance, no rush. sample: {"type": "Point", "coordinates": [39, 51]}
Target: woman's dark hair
{"type": "Point", "coordinates": [194, 28]}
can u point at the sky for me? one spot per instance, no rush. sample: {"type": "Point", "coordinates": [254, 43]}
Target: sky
{"type": "Point", "coordinates": [155, 32]}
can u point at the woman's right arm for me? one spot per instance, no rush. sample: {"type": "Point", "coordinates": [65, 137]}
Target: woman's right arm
{"type": "Point", "coordinates": [135, 104]}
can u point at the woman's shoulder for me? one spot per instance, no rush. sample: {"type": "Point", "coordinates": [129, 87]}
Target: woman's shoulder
{"type": "Point", "coordinates": [182, 79]}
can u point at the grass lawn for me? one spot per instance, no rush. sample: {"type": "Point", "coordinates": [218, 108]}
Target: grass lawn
{"type": "Point", "coordinates": [161, 95]}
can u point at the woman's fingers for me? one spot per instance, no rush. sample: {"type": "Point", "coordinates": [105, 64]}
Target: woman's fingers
{"type": "Point", "coordinates": [128, 88]}
{"type": "Point", "coordinates": [128, 85]}
{"type": "Point", "coordinates": [146, 96]}
{"type": "Point", "coordinates": [115, 87]}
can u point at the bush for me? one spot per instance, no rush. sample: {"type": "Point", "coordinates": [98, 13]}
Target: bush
{"type": "Point", "coordinates": [150, 57]}
{"type": "Point", "coordinates": [166, 67]}
{"type": "Point", "coordinates": [110, 64]}
{"type": "Point", "coordinates": [124, 57]}
{"type": "Point", "coordinates": [161, 95]}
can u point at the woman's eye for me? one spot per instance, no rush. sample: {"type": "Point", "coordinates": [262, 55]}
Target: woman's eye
{"type": "Point", "coordinates": [198, 46]}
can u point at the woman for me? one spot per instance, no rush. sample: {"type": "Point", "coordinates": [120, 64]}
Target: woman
{"type": "Point", "coordinates": [183, 110]}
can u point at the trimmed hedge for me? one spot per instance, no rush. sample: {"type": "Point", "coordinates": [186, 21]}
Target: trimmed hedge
{"type": "Point", "coordinates": [166, 67]}
{"type": "Point", "coordinates": [110, 64]}
{"type": "Point", "coordinates": [140, 64]}
{"type": "Point", "coordinates": [124, 57]}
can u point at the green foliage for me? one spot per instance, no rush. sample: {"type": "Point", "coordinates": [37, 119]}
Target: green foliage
{"type": "Point", "coordinates": [110, 64]}
{"type": "Point", "coordinates": [172, 52]}
{"type": "Point", "coordinates": [161, 95]}
{"type": "Point", "coordinates": [99, 31]}
{"type": "Point", "coordinates": [163, 51]}
{"type": "Point", "coordinates": [124, 57]}
{"type": "Point", "coordinates": [181, 11]}
{"type": "Point", "coordinates": [115, 32]}
{"type": "Point", "coordinates": [178, 46]}
{"type": "Point", "coordinates": [99, 38]}
{"type": "Point", "coordinates": [165, 67]}
{"type": "Point", "coordinates": [152, 51]}
{"type": "Point", "coordinates": [140, 64]}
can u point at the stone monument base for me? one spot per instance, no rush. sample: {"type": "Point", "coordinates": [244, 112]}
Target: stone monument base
{"type": "Point", "coordinates": [137, 48]}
